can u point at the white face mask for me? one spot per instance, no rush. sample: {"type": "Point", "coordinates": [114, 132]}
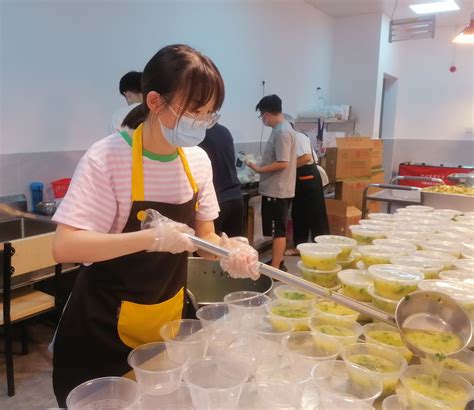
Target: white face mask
{"type": "Point", "coordinates": [186, 133]}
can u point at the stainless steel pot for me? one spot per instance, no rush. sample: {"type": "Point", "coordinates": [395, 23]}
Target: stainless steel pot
{"type": "Point", "coordinates": [208, 283]}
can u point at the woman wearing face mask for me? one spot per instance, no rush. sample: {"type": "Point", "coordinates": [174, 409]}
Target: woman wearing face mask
{"type": "Point", "coordinates": [132, 281]}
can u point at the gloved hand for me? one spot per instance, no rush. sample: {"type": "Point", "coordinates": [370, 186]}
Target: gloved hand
{"type": "Point", "coordinates": [242, 261]}
{"type": "Point", "coordinates": [168, 233]}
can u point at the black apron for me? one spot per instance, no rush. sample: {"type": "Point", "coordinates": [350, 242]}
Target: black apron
{"type": "Point", "coordinates": [308, 209]}
{"type": "Point", "coordinates": [122, 303]}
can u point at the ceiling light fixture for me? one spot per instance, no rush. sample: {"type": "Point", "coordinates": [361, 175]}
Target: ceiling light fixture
{"type": "Point", "coordinates": [435, 7]}
{"type": "Point", "coordinates": [466, 36]}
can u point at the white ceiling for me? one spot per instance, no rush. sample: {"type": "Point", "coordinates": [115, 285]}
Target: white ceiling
{"type": "Point", "coordinates": [345, 8]}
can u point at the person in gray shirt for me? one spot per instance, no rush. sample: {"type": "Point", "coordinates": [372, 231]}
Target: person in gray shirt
{"type": "Point", "coordinates": [278, 175]}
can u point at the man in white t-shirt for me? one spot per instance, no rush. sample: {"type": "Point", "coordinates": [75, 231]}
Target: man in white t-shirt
{"type": "Point", "coordinates": [130, 87]}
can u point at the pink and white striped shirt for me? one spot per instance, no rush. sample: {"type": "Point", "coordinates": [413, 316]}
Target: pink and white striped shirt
{"type": "Point", "coordinates": [99, 197]}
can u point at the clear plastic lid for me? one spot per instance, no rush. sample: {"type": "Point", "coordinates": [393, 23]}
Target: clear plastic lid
{"type": "Point", "coordinates": [405, 235]}
{"type": "Point", "coordinates": [394, 243]}
{"type": "Point", "coordinates": [376, 222]}
{"type": "Point", "coordinates": [318, 248]}
{"type": "Point", "coordinates": [442, 256]}
{"type": "Point", "coordinates": [440, 246]}
{"type": "Point", "coordinates": [371, 230]}
{"type": "Point", "coordinates": [342, 241]}
{"type": "Point", "coordinates": [377, 250]}
{"type": "Point", "coordinates": [457, 275]}
{"type": "Point", "coordinates": [355, 277]}
{"type": "Point", "coordinates": [418, 262]}
{"type": "Point", "coordinates": [396, 273]}
{"type": "Point", "coordinates": [460, 291]}
{"type": "Point", "coordinates": [380, 216]}
{"type": "Point", "coordinates": [291, 293]}
{"type": "Point", "coordinates": [420, 208]}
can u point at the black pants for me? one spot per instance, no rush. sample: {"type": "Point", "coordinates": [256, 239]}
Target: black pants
{"type": "Point", "coordinates": [231, 218]}
{"type": "Point", "coordinates": [308, 210]}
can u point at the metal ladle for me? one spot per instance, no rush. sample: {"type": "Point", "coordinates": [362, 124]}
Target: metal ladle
{"type": "Point", "coordinates": [432, 311]}
{"type": "Point", "coordinates": [419, 311]}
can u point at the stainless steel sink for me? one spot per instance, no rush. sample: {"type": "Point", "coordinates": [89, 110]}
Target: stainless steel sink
{"type": "Point", "coordinates": [23, 228]}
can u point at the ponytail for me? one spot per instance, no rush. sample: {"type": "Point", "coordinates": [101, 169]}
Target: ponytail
{"type": "Point", "coordinates": [136, 116]}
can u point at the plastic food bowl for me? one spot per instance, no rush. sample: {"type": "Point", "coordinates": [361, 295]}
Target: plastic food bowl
{"type": "Point", "coordinates": [377, 223]}
{"type": "Point", "coordinates": [216, 382]}
{"type": "Point", "coordinates": [334, 313]}
{"type": "Point", "coordinates": [457, 275]}
{"type": "Point", "coordinates": [266, 330]}
{"type": "Point", "coordinates": [407, 247]}
{"type": "Point", "coordinates": [446, 258]}
{"type": "Point", "coordinates": [452, 390]}
{"type": "Point", "coordinates": [365, 235]}
{"type": "Point", "coordinates": [349, 380]}
{"type": "Point", "coordinates": [246, 308]}
{"type": "Point", "coordinates": [327, 333]}
{"type": "Point", "coordinates": [319, 256]}
{"type": "Point", "coordinates": [346, 244]}
{"type": "Point", "coordinates": [461, 292]}
{"type": "Point", "coordinates": [304, 352]}
{"type": "Point", "coordinates": [440, 246]}
{"type": "Point", "coordinates": [280, 386]}
{"type": "Point", "coordinates": [451, 213]}
{"type": "Point", "coordinates": [420, 208]}
{"type": "Point", "coordinates": [155, 372]}
{"type": "Point", "coordinates": [462, 364]}
{"type": "Point", "coordinates": [213, 317]}
{"type": "Point", "coordinates": [378, 255]}
{"type": "Point", "coordinates": [327, 279]}
{"type": "Point", "coordinates": [429, 267]}
{"type": "Point", "coordinates": [384, 362]}
{"type": "Point", "coordinates": [348, 263]}
{"type": "Point", "coordinates": [394, 281]}
{"type": "Point", "coordinates": [465, 264]}
{"type": "Point", "coordinates": [185, 340]}
{"type": "Point", "coordinates": [387, 336]}
{"type": "Point", "coordinates": [105, 393]}
{"type": "Point", "coordinates": [355, 283]}
{"type": "Point", "coordinates": [291, 294]}
{"type": "Point", "coordinates": [385, 304]}
{"type": "Point", "coordinates": [289, 315]}
{"type": "Point", "coordinates": [407, 236]}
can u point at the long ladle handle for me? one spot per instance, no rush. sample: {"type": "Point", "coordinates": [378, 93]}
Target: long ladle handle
{"type": "Point", "coordinates": [310, 287]}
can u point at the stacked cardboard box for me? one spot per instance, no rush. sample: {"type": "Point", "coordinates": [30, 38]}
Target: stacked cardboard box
{"type": "Point", "coordinates": [352, 166]}
{"type": "Point", "coordinates": [341, 215]}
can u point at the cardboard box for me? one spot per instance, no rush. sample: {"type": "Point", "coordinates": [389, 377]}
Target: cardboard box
{"type": "Point", "coordinates": [378, 177]}
{"type": "Point", "coordinates": [341, 216]}
{"type": "Point", "coordinates": [328, 162]}
{"type": "Point", "coordinates": [377, 153]}
{"type": "Point", "coordinates": [351, 190]}
{"type": "Point", "coordinates": [353, 157]}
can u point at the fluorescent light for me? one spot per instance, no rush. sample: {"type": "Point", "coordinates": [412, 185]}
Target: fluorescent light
{"type": "Point", "coordinates": [466, 36]}
{"type": "Point", "coordinates": [435, 7]}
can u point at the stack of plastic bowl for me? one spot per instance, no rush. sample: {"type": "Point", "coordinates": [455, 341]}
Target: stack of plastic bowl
{"type": "Point", "coordinates": [378, 255]}
{"type": "Point", "coordinates": [327, 334]}
{"type": "Point", "coordinates": [441, 246]}
{"type": "Point", "coordinates": [445, 258]}
{"type": "Point", "coordinates": [304, 353]}
{"type": "Point", "coordinates": [386, 336]}
{"type": "Point", "coordinates": [279, 386]}
{"type": "Point", "coordinates": [185, 340]}
{"type": "Point", "coordinates": [420, 390]}
{"type": "Point", "coordinates": [429, 267]}
{"type": "Point", "coordinates": [407, 247]}
{"type": "Point", "coordinates": [364, 234]}
{"type": "Point", "coordinates": [214, 317]}
{"type": "Point", "coordinates": [345, 385]}
{"type": "Point", "coordinates": [105, 393]}
{"type": "Point", "coordinates": [318, 264]}
{"type": "Point", "coordinates": [286, 315]}
{"type": "Point", "coordinates": [382, 361]}
{"type": "Point", "coordinates": [344, 258]}
{"type": "Point", "coordinates": [246, 308]}
{"type": "Point", "coordinates": [405, 235]}
{"type": "Point", "coordinates": [355, 283]}
{"type": "Point", "coordinates": [216, 382]}
{"type": "Point", "coordinates": [155, 372]}
{"type": "Point", "coordinates": [392, 283]}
